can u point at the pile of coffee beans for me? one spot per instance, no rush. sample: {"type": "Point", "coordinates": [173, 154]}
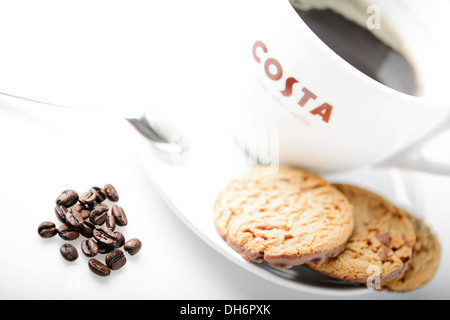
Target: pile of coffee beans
{"type": "Point", "coordinates": [87, 215]}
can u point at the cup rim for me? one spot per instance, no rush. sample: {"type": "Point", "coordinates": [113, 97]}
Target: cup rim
{"type": "Point", "coordinates": [424, 101]}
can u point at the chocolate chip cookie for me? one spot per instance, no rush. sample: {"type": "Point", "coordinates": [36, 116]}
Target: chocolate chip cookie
{"type": "Point", "coordinates": [424, 264]}
{"type": "Point", "coordinates": [382, 240]}
{"type": "Point", "coordinates": [286, 218]}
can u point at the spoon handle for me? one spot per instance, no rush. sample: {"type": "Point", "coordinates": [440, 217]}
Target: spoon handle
{"type": "Point", "coordinates": [140, 123]}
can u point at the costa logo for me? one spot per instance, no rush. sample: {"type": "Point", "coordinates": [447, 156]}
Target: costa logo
{"type": "Point", "coordinates": [274, 71]}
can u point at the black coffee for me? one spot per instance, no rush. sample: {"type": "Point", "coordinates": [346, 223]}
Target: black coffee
{"type": "Point", "coordinates": [362, 49]}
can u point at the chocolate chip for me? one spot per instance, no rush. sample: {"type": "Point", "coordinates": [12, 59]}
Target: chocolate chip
{"type": "Point", "coordinates": [405, 260]}
{"type": "Point", "coordinates": [385, 239]}
{"type": "Point", "coordinates": [383, 253]}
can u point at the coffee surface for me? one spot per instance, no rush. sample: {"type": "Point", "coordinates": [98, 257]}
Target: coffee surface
{"type": "Point", "coordinates": [360, 48]}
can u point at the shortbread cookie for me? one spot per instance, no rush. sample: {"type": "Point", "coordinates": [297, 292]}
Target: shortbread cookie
{"type": "Point", "coordinates": [381, 243]}
{"type": "Point", "coordinates": [288, 218]}
{"type": "Point", "coordinates": [424, 264]}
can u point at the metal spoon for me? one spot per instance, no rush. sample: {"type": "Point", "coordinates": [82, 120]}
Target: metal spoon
{"type": "Point", "coordinates": [166, 141]}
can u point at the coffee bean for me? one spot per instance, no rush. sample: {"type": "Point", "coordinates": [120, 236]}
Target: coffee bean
{"type": "Point", "coordinates": [99, 213]}
{"type": "Point", "coordinates": [100, 194]}
{"type": "Point", "coordinates": [88, 215]}
{"type": "Point", "coordinates": [67, 198]}
{"type": "Point", "coordinates": [81, 210]}
{"type": "Point", "coordinates": [111, 193]}
{"type": "Point", "coordinates": [119, 215]}
{"type": "Point", "coordinates": [89, 248]}
{"type": "Point", "coordinates": [87, 229]}
{"type": "Point", "coordinates": [88, 198]}
{"type": "Point", "coordinates": [133, 246]}
{"type": "Point", "coordinates": [104, 236]}
{"type": "Point", "coordinates": [120, 239]}
{"type": "Point", "coordinates": [61, 211]}
{"type": "Point", "coordinates": [69, 252]}
{"type": "Point", "coordinates": [115, 259]}
{"type": "Point", "coordinates": [68, 232]}
{"type": "Point", "coordinates": [111, 222]}
{"type": "Point", "coordinates": [47, 230]}
{"type": "Point", "coordinates": [98, 268]}
{"type": "Point", "coordinates": [102, 248]}
{"type": "Point", "coordinates": [74, 218]}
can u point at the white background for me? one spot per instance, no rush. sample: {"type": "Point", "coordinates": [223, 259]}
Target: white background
{"type": "Point", "coordinates": [106, 55]}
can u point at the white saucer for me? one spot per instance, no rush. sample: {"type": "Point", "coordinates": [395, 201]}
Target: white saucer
{"type": "Point", "coordinates": [190, 188]}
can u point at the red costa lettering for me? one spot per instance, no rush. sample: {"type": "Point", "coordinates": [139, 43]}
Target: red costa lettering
{"type": "Point", "coordinates": [306, 97]}
{"type": "Point", "coordinates": [323, 111]}
{"type": "Point", "coordinates": [289, 84]}
{"type": "Point", "coordinates": [261, 45]}
{"type": "Point", "coordinates": [274, 71]}
{"type": "Point", "coordinates": [274, 76]}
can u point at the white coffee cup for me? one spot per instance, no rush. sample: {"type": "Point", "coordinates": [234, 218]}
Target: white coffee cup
{"type": "Point", "coordinates": [327, 116]}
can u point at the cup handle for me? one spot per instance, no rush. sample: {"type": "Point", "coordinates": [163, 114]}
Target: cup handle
{"type": "Point", "coordinates": [412, 157]}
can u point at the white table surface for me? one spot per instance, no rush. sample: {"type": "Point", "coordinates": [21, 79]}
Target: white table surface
{"type": "Point", "coordinates": [105, 54]}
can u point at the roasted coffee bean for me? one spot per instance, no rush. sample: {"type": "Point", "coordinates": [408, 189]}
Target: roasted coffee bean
{"type": "Point", "coordinates": [61, 213]}
{"type": "Point", "coordinates": [67, 198]}
{"type": "Point", "coordinates": [99, 213]}
{"type": "Point", "coordinates": [68, 232]}
{"type": "Point", "coordinates": [115, 259]}
{"type": "Point", "coordinates": [81, 210]}
{"type": "Point", "coordinates": [47, 229]}
{"type": "Point", "coordinates": [88, 198]}
{"type": "Point", "coordinates": [104, 236]}
{"type": "Point", "coordinates": [74, 218]}
{"type": "Point", "coordinates": [99, 207]}
{"type": "Point", "coordinates": [87, 229]}
{"type": "Point", "coordinates": [69, 252]}
{"type": "Point", "coordinates": [111, 222]}
{"type": "Point", "coordinates": [120, 239]}
{"type": "Point", "coordinates": [89, 217]}
{"type": "Point", "coordinates": [119, 215]}
{"type": "Point", "coordinates": [111, 193]}
{"type": "Point", "coordinates": [133, 246]}
{"type": "Point", "coordinates": [100, 194]}
{"type": "Point", "coordinates": [89, 248]}
{"type": "Point", "coordinates": [98, 268]}
{"type": "Point", "coordinates": [105, 248]}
